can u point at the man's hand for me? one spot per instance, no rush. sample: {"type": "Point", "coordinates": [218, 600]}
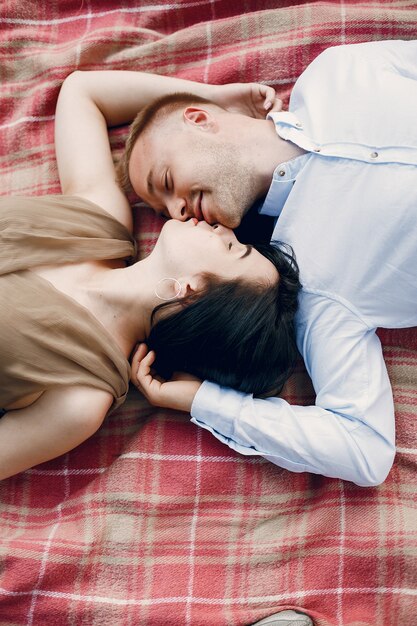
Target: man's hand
{"type": "Point", "coordinates": [252, 99]}
{"type": "Point", "coordinates": [177, 393]}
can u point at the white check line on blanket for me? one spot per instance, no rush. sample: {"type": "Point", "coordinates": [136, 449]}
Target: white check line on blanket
{"type": "Point", "coordinates": [147, 456]}
{"type": "Point", "coordinates": [217, 601]}
{"type": "Point", "coordinates": [88, 16]}
{"type": "Point", "coordinates": [29, 118]}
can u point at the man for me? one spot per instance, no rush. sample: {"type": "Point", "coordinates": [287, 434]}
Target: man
{"type": "Point", "coordinates": [343, 165]}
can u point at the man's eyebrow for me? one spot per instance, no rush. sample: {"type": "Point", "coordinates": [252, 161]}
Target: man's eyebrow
{"type": "Point", "coordinates": [247, 251]}
{"type": "Point", "coordinates": [161, 209]}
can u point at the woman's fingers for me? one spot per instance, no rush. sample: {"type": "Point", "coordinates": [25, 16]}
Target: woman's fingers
{"type": "Point", "coordinates": [176, 394]}
{"type": "Point", "coordinates": [144, 370]}
{"type": "Point", "coordinates": [141, 375]}
{"type": "Point", "coordinates": [138, 355]}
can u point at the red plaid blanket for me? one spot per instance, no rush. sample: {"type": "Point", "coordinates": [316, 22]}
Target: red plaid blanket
{"type": "Point", "coordinates": [153, 521]}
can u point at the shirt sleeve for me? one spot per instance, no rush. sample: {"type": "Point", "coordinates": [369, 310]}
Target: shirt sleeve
{"type": "Point", "coordinates": [348, 434]}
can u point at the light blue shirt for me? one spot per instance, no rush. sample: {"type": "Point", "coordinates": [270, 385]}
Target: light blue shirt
{"type": "Point", "coordinates": [349, 209]}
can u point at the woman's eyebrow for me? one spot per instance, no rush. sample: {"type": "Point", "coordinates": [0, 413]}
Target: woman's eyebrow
{"type": "Point", "coordinates": [247, 251]}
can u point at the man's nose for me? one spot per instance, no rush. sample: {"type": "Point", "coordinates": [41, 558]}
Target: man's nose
{"type": "Point", "coordinates": [178, 209]}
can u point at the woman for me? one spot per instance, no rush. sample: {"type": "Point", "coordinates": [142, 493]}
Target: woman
{"type": "Point", "coordinates": [72, 309]}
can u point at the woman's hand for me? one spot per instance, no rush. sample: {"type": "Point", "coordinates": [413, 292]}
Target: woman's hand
{"type": "Point", "coordinates": [177, 393]}
{"type": "Point", "coordinates": [252, 99]}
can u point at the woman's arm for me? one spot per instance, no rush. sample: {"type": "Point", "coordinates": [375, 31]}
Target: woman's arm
{"type": "Point", "coordinates": [56, 423]}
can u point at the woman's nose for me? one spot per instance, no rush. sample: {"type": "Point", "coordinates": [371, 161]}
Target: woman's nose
{"type": "Point", "coordinates": [222, 229]}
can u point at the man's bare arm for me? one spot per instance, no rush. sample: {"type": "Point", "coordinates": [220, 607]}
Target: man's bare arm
{"type": "Point", "coordinates": [84, 158]}
{"type": "Point", "coordinates": [92, 101]}
{"type": "Point", "coordinates": [121, 94]}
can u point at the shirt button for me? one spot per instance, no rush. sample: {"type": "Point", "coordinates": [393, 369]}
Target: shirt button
{"type": "Point", "coordinates": [281, 172]}
{"type": "Point", "coordinates": [317, 149]}
{"type": "Point", "coordinates": [299, 124]}
{"type": "Point", "coordinates": [374, 155]}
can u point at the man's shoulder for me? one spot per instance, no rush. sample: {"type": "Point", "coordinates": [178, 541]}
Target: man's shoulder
{"type": "Point", "coordinates": [365, 52]}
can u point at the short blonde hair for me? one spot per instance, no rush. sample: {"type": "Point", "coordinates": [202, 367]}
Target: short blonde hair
{"type": "Point", "coordinates": [158, 109]}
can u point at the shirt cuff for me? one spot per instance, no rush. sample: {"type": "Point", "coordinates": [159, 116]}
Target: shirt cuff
{"type": "Point", "coordinates": [216, 406]}
{"type": "Point", "coordinates": [215, 409]}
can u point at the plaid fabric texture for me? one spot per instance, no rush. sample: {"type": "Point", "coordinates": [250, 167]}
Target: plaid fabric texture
{"type": "Point", "coordinates": [153, 521]}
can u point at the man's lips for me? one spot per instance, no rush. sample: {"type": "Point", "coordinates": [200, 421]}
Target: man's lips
{"type": "Point", "coordinates": [198, 212]}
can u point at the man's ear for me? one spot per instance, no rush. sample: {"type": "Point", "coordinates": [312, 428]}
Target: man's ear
{"type": "Point", "coordinates": [200, 118]}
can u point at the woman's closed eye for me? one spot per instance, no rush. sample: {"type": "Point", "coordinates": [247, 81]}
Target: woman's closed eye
{"type": "Point", "coordinates": [246, 252]}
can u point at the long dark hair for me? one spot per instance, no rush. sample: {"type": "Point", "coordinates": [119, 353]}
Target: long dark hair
{"type": "Point", "coordinates": [235, 333]}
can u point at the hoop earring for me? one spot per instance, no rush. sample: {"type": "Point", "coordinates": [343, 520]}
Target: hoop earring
{"type": "Point", "coordinates": [177, 283]}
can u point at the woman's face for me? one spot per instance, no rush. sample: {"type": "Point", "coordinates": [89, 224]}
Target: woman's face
{"type": "Point", "coordinates": [195, 247]}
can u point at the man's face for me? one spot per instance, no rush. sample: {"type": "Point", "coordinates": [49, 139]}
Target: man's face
{"type": "Point", "coordinates": [189, 173]}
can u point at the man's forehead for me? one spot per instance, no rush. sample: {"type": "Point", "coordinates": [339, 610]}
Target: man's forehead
{"type": "Point", "coordinates": [154, 148]}
{"type": "Point", "coordinates": [140, 169]}
{"type": "Point", "coordinates": [163, 124]}
{"type": "Point", "coordinates": [152, 142]}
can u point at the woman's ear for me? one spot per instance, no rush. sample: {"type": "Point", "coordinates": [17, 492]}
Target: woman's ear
{"type": "Point", "coordinates": [201, 119]}
{"type": "Point", "coordinates": [190, 285]}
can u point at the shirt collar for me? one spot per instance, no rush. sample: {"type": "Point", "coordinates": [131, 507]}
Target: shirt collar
{"type": "Point", "coordinates": [284, 118]}
{"type": "Point", "coordinates": [283, 180]}
{"type": "Point", "coordinates": [286, 173]}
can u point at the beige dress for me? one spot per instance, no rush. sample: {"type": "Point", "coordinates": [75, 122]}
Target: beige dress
{"type": "Point", "coordinates": [47, 339]}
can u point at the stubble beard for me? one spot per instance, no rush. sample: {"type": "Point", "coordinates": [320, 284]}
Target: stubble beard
{"type": "Point", "coordinates": [234, 185]}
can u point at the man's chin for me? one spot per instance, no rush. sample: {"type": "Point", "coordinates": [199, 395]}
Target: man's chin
{"type": "Point", "coordinates": [229, 219]}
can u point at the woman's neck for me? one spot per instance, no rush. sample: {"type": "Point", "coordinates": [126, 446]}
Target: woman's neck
{"type": "Point", "coordinates": [122, 300]}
